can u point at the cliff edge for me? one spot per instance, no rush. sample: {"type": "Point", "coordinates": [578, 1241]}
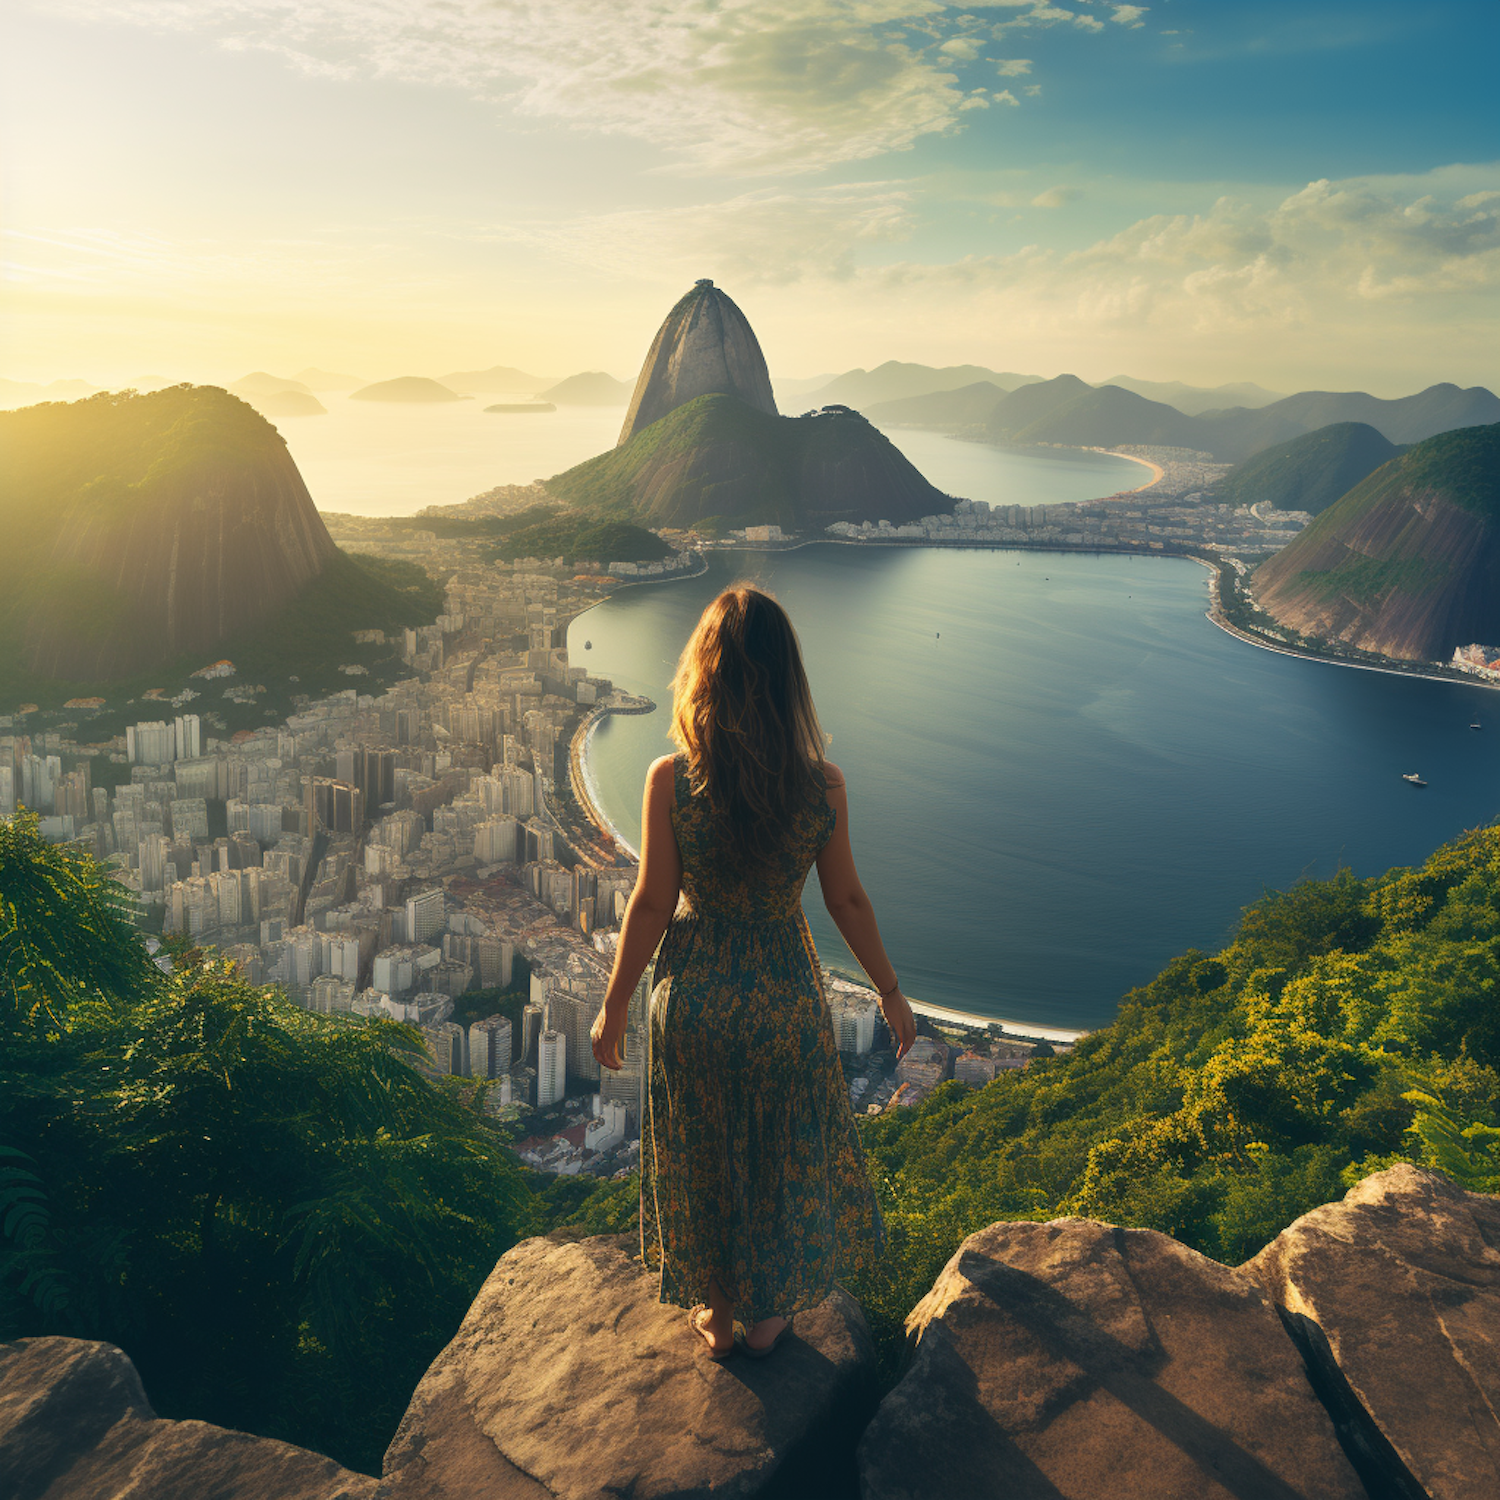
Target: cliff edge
{"type": "Point", "coordinates": [1358, 1355]}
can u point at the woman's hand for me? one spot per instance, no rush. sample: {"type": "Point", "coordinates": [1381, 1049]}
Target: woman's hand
{"type": "Point", "coordinates": [898, 1017]}
{"type": "Point", "coordinates": [607, 1034]}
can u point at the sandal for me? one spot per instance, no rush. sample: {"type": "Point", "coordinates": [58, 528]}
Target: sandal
{"type": "Point", "coordinates": [696, 1324]}
{"type": "Point", "coordinates": [742, 1341]}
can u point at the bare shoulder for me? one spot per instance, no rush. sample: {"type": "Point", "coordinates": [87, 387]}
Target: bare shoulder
{"type": "Point", "coordinates": [662, 774]}
{"type": "Point", "coordinates": [833, 776]}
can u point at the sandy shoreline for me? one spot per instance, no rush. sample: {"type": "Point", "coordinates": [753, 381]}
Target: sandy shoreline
{"type": "Point", "coordinates": [586, 790]}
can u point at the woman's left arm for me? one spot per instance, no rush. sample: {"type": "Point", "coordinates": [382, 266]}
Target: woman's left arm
{"type": "Point", "coordinates": [647, 913]}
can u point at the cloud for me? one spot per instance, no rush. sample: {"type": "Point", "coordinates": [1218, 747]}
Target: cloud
{"type": "Point", "coordinates": [1054, 197]}
{"type": "Point", "coordinates": [1004, 96]}
{"type": "Point", "coordinates": [750, 86]}
{"type": "Point", "coordinates": [1129, 15]}
{"type": "Point", "coordinates": [766, 238]}
{"type": "Point", "coordinates": [1334, 252]}
{"type": "Point", "coordinates": [1013, 67]}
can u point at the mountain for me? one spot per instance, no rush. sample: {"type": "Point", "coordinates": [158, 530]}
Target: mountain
{"type": "Point", "coordinates": [1308, 472]}
{"type": "Point", "coordinates": [722, 460]}
{"type": "Point", "coordinates": [1103, 418]}
{"type": "Point", "coordinates": [1031, 402]}
{"type": "Point", "coordinates": [498, 380]}
{"type": "Point", "coordinates": [1193, 399]}
{"type": "Point", "coordinates": [1408, 562]}
{"type": "Point", "coordinates": [139, 528]}
{"type": "Point", "coordinates": [327, 380]}
{"type": "Point", "coordinates": [288, 404]}
{"type": "Point", "coordinates": [705, 346]}
{"type": "Point", "coordinates": [259, 383]}
{"type": "Point", "coordinates": [592, 388]}
{"type": "Point", "coordinates": [895, 381]}
{"type": "Point", "coordinates": [968, 406]}
{"type": "Point", "coordinates": [1112, 415]}
{"type": "Point", "coordinates": [789, 389]}
{"type": "Point", "coordinates": [413, 388]}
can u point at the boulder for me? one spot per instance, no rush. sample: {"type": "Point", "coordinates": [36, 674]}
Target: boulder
{"type": "Point", "coordinates": [568, 1380]}
{"type": "Point", "coordinates": [1077, 1359]}
{"type": "Point", "coordinates": [1393, 1295]}
{"type": "Point", "coordinates": [75, 1425]}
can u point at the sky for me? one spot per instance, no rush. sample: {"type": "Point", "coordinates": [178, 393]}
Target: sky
{"type": "Point", "coordinates": [1302, 193]}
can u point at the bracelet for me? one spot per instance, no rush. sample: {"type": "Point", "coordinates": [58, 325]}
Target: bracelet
{"type": "Point", "coordinates": [895, 985]}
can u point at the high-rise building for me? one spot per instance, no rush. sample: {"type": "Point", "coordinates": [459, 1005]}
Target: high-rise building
{"type": "Point", "coordinates": [448, 1043]}
{"type": "Point", "coordinates": [854, 1025]}
{"type": "Point", "coordinates": [573, 1015]}
{"type": "Point", "coordinates": [495, 841]}
{"type": "Point", "coordinates": [189, 736]}
{"type": "Point", "coordinates": [424, 915]}
{"type": "Point", "coordinates": [490, 1047]}
{"type": "Point", "coordinates": [531, 1030]}
{"type": "Point", "coordinates": [551, 1068]}
{"type": "Point", "coordinates": [151, 744]}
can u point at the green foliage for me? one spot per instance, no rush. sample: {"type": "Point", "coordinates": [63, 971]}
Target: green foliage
{"type": "Point", "coordinates": [65, 931]}
{"type": "Point", "coordinates": [1308, 472]}
{"type": "Point", "coordinates": [575, 536]}
{"type": "Point", "coordinates": [1349, 1022]}
{"type": "Point", "coordinates": [276, 1214]}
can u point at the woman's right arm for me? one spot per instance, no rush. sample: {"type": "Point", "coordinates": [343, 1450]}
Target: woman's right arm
{"type": "Point", "coordinates": [854, 916]}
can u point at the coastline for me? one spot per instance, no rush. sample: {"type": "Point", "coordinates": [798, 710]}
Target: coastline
{"type": "Point", "coordinates": [1424, 672]}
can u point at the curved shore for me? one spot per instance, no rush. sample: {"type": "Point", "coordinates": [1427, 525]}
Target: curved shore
{"type": "Point", "coordinates": [586, 792]}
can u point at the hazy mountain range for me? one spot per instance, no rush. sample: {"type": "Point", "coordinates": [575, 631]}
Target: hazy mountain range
{"type": "Point", "coordinates": [1067, 411]}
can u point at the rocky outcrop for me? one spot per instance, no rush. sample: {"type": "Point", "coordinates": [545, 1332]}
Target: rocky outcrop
{"type": "Point", "coordinates": [1074, 1358]}
{"type": "Point", "coordinates": [705, 347]}
{"type": "Point", "coordinates": [141, 528]}
{"type": "Point", "coordinates": [1357, 1356]}
{"type": "Point", "coordinates": [75, 1425]}
{"type": "Point", "coordinates": [1393, 1295]}
{"type": "Point", "coordinates": [568, 1379]}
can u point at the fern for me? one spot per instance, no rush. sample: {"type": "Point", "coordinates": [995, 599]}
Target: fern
{"type": "Point", "coordinates": [25, 1229]}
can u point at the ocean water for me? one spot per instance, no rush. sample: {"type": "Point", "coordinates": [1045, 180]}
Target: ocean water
{"type": "Point", "coordinates": [379, 458]}
{"type": "Point", "coordinates": [1060, 772]}
{"type": "Point", "coordinates": [376, 458]}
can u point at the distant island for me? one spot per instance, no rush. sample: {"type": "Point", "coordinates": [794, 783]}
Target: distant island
{"type": "Point", "coordinates": [406, 388]}
{"type": "Point", "coordinates": [592, 388]}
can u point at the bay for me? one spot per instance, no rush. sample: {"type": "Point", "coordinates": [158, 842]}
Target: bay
{"type": "Point", "coordinates": [1060, 772]}
{"type": "Point", "coordinates": [379, 458]}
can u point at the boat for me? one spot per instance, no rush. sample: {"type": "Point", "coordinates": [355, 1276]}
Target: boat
{"type": "Point", "coordinates": [1476, 725]}
{"type": "Point", "coordinates": [1412, 777]}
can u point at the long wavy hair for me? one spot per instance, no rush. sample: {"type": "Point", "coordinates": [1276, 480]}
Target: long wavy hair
{"type": "Point", "coordinates": [743, 713]}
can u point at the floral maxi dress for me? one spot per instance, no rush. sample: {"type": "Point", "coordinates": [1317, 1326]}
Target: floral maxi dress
{"type": "Point", "coordinates": [751, 1168]}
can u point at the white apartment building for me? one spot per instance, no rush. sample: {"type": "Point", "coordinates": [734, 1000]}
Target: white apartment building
{"type": "Point", "coordinates": [551, 1068]}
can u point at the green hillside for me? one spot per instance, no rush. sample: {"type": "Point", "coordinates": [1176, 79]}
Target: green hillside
{"type": "Point", "coordinates": [1408, 562]}
{"type": "Point", "coordinates": [718, 459]}
{"type": "Point", "coordinates": [281, 1222]}
{"type": "Point", "coordinates": [149, 535]}
{"type": "Point", "coordinates": [1308, 472]}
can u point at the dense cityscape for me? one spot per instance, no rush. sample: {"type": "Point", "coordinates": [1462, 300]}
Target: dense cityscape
{"type": "Point", "coordinates": [427, 855]}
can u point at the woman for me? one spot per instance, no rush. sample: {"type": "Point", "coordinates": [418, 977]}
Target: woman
{"type": "Point", "coordinates": [754, 1196]}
